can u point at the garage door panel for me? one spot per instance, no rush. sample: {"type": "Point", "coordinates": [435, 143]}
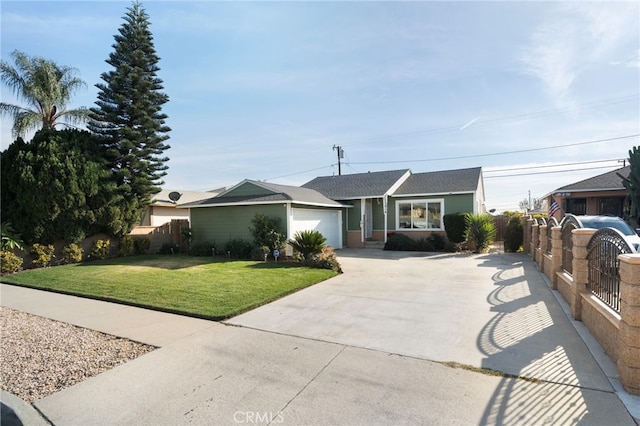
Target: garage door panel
{"type": "Point", "coordinates": [327, 222]}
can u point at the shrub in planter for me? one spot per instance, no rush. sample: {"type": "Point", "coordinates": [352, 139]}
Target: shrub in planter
{"type": "Point", "coordinates": [424, 244]}
{"type": "Point", "coordinates": [202, 249]}
{"type": "Point", "coordinates": [481, 230]}
{"type": "Point", "coordinates": [169, 248]}
{"type": "Point", "coordinates": [455, 226]}
{"type": "Point", "coordinates": [238, 248]}
{"type": "Point", "coordinates": [42, 254]}
{"type": "Point", "coordinates": [326, 259]}
{"type": "Point", "coordinates": [400, 242]}
{"type": "Point", "coordinates": [308, 243]}
{"type": "Point", "coordinates": [260, 253]}
{"type": "Point", "coordinates": [141, 245]}
{"type": "Point", "coordinates": [513, 235]}
{"type": "Point", "coordinates": [100, 249]}
{"type": "Point", "coordinates": [9, 262]}
{"type": "Point", "coordinates": [125, 248]}
{"type": "Point", "coordinates": [72, 253]}
{"type": "Point", "coordinates": [266, 232]}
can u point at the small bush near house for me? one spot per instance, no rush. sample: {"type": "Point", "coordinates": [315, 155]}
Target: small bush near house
{"type": "Point", "coordinates": [9, 262]}
{"type": "Point", "coordinates": [326, 259]}
{"type": "Point", "coordinates": [434, 242]}
{"type": "Point", "coordinates": [169, 248]}
{"type": "Point", "coordinates": [202, 249]}
{"type": "Point", "coordinates": [513, 235]}
{"type": "Point", "coordinates": [100, 249]}
{"type": "Point", "coordinates": [308, 243]}
{"type": "Point", "coordinates": [126, 246]}
{"type": "Point", "coordinates": [481, 231]}
{"type": "Point", "coordinates": [141, 244]}
{"type": "Point", "coordinates": [42, 254]}
{"type": "Point", "coordinates": [455, 226]}
{"type": "Point", "coordinates": [266, 231]}
{"type": "Point", "coordinates": [260, 253]}
{"type": "Point", "coordinates": [238, 248]}
{"type": "Point", "coordinates": [400, 242]}
{"type": "Point", "coordinates": [71, 253]}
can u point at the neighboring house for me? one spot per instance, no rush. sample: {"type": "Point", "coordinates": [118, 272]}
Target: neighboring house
{"type": "Point", "coordinates": [348, 210]}
{"type": "Point", "coordinates": [599, 195]}
{"type": "Point", "coordinates": [163, 210]}
{"type": "Point", "coordinates": [399, 201]}
{"type": "Point", "coordinates": [228, 216]}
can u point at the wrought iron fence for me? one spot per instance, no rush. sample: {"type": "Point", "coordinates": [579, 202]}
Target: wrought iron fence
{"type": "Point", "coordinates": [551, 222]}
{"type": "Point", "coordinates": [603, 250]}
{"type": "Point", "coordinates": [569, 223]}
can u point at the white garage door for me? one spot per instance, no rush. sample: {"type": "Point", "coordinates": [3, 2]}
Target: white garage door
{"type": "Point", "coordinates": [327, 222]}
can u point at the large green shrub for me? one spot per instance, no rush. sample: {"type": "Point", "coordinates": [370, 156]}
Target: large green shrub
{"type": "Point", "coordinates": [400, 242]}
{"type": "Point", "coordinates": [455, 226]}
{"type": "Point", "coordinates": [100, 249]}
{"type": "Point", "coordinates": [308, 243]}
{"type": "Point", "coordinates": [203, 249]}
{"type": "Point", "coordinates": [72, 253]}
{"type": "Point", "coordinates": [266, 231]}
{"type": "Point", "coordinates": [42, 254]}
{"type": "Point", "coordinates": [481, 230]}
{"type": "Point", "coordinates": [513, 235]}
{"type": "Point", "coordinates": [9, 262]}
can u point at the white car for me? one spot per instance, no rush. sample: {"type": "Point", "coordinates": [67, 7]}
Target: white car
{"type": "Point", "coordinates": [598, 222]}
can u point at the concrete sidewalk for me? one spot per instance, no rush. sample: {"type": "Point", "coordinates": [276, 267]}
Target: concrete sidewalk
{"type": "Point", "coordinates": [296, 361]}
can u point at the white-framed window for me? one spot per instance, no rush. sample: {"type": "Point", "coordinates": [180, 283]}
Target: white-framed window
{"type": "Point", "coordinates": [419, 214]}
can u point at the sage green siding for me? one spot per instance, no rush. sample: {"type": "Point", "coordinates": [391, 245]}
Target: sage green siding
{"type": "Point", "coordinates": [455, 203]}
{"type": "Point", "coordinates": [247, 189]}
{"type": "Point", "coordinates": [354, 214]}
{"type": "Point", "coordinates": [378, 214]}
{"type": "Point", "coordinates": [221, 224]}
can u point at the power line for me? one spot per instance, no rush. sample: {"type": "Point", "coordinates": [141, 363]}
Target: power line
{"type": "Point", "coordinates": [551, 165]}
{"type": "Point", "coordinates": [502, 153]}
{"type": "Point", "coordinates": [299, 173]}
{"type": "Point", "coordinates": [549, 172]}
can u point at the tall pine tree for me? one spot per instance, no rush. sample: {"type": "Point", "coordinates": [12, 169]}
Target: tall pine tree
{"type": "Point", "coordinates": [129, 117]}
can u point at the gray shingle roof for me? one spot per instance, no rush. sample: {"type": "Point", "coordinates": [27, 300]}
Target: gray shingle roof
{"type": "Point", "coordinates": [359, 185]}
{"type": "Point", "coordinates": [605, 181]}
{"type": "Point", "coordinates": [281, 193]}
{"type": "Point", "coordinates": [461, 180]}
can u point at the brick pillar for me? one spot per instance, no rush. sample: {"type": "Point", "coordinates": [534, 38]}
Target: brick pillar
{"type": "Point", "coordinates": [542, 235]}
{"type": "Point", "coordinates": [556, 255]}
{"type": "Point", "coordinates": [580, 265]}
{"type": "Point", "coordinates": [526, 242]}
{"type": "Point", "coordinates": [629, 334]}
{"type": "Point", "coordinates": [535, 229]}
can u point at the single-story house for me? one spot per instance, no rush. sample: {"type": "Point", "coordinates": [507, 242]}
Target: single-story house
{"type": "Point", "coordinates": [228, 215]}
{"type": "Point", "coordinates": [598, 195]}
{"type": "Point", "coordinates": [349, 210]}
{"type": "Point", "coordinates": [402, 202]}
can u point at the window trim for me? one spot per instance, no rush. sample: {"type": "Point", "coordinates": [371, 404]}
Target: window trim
{"type": "Point", "coordinates": [425, 201]}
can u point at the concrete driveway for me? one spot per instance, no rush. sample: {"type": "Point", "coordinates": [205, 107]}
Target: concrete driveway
{"type": "Point", "coordinates": [491, 311]}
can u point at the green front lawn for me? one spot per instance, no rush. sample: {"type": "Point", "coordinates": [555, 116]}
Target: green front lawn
{"type": "Point", "coordinates": [197, 286]}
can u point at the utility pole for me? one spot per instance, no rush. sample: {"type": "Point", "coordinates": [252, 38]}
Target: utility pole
{"type": "Point", "coordinates": [340, 156]}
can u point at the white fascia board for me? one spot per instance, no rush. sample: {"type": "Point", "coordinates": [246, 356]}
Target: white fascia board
{"type": "Point", "coordinates": [586, 190]}
{"type": "Point", "coordinates": [255, 203]}
{"type": "Point", "coordinates": [433, 194]}
{"type": "Point", "coordinates": [399, 182]}
{"type": "Point", "coordinates": [233, 187]}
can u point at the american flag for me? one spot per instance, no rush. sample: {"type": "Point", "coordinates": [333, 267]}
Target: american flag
{"type": "Point", "coordinates": [554, 207]}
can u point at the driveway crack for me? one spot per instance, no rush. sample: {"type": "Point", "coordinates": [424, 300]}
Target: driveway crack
{"type": "Point", "coordinates": [311, 381]}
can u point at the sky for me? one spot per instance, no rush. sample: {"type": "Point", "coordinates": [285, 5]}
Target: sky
{"type": "Point", "coordinates": [539, 94]}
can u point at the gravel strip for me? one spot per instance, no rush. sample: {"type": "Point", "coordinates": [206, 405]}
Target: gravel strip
{"type": "Point", "coordinates": [39, 356]}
